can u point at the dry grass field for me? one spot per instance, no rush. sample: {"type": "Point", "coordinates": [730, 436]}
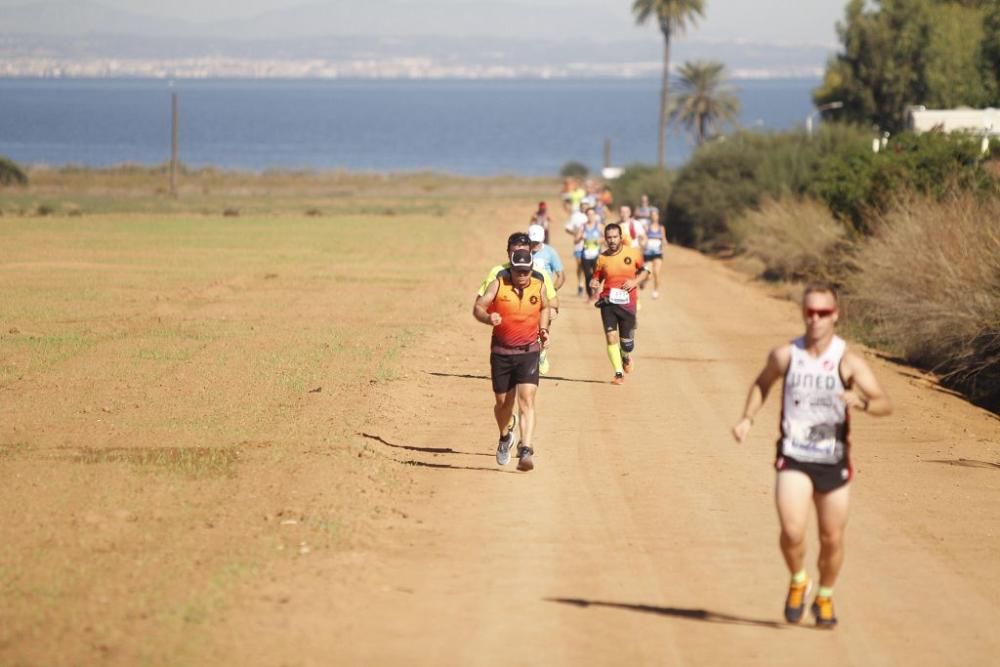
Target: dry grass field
{"type": "Point", "coordinates": [171, 377]}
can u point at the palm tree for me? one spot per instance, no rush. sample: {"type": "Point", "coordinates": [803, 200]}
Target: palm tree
{"type": "Point", "coordinates": [702, 100]}
{"type": "Point", "coordinates": [673, 16]}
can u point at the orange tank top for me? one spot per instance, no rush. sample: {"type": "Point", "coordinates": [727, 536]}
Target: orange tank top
{"type": "Point", "coordinates": [520, 311]}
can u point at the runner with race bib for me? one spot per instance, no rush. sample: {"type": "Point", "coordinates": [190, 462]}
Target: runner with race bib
{"type": "Point", "coordinates": [619, 270]}
{"type": "Point", "coordinates": [823, 382]}
{"type": "Point", "coordinates": [589, 238]}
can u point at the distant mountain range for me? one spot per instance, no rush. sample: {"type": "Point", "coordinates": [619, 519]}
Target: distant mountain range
{"type": "Point", "coordinates": [56, 37]}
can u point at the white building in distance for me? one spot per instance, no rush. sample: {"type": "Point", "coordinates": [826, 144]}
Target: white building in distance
{"type": "Point", "coordinates": [974, 121]}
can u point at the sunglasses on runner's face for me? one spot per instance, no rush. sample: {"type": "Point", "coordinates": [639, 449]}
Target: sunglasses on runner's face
{"type": "Point", "coordinates": [821, 312]}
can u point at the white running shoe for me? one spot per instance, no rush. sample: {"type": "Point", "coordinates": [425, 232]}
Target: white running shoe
{"type": "Point", "coordinates": [525, 462]}
{"type": "Point", "coordinates": [505, 443]}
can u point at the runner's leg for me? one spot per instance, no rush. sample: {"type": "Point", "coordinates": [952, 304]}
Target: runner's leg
{"type": "Point", "coordinates": [614, 350]}
{"type": "Point", "coordinates": [831, 512]}
{"type": "Point", "coordinates": [526, 404]}
{"type": "Point", "coordinates": [503, 409]}
{"type": "Point", "coordinates": [588, 274]}
{"type": "Point", "coordinates": [793, 491]}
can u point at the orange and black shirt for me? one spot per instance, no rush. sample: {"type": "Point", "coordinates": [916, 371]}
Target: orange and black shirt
{"type": "Point", "coordinates": [520, 312]}
{"type": "Point", "coordinates": [615, 269]}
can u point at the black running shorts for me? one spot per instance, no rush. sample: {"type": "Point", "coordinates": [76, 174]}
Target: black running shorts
{"type": "Point", "coordinates": [615, 317]}
{"type": "Point", "coordinates": [510, 370]}
{"type": "Point", "coordinates": [825, 477]}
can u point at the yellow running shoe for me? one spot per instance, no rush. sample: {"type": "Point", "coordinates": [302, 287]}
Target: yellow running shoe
{"type": "Point", "coordinates": [795, 603]}
{"type": "Point", "coordinates": [822, 609]}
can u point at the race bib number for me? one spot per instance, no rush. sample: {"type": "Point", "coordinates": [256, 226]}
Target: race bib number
{"type": "Point", "coordinates": [653, 245]}
{"type": "Point", "coordinates": [618, 296]}
{"type": "Point", "coordinates": [591, 253]}
{"type": "Point", "coordinates": [814, 444]}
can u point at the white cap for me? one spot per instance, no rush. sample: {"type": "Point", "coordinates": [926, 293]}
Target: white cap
{"type": "Point", "coordinates": [536, 233]}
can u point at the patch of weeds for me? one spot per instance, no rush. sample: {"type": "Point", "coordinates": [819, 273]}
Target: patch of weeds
{"type": "Point", "coordinates": [211, 599]}
{"type": "Point", "coordinates": [13, 450]}
{"type": "Point", "coordinates": [387, 368]}
{"type": "Point", "coordinates": [165, 355]}
{"type": "Point", "coordinates": [42, 352]}
{"type": "Point", "coordinates": [190, 462]}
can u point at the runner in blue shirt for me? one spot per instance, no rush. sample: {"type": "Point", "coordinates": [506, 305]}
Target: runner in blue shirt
{"type": "Point", "coordinates": [546, 260]}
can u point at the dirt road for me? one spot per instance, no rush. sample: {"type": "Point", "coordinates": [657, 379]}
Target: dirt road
{"type": "Point", "coordinates": [644, 535]}
{"type": "Point", "coordinates": [267, 440]}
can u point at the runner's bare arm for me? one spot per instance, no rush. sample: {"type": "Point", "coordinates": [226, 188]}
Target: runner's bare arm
{"type": "Point", "coordinates": [774, 370]}
{"type": "Point", "coordinates": [598, 277]}
{"type": "Point", "coordinates": [641, 276]}
{"type": "Point", "coordinates": [483, 302]}
{"type": "Point", "coordinates": [858, 375]}
{"type": "Point", "coordinates": [544, 320]}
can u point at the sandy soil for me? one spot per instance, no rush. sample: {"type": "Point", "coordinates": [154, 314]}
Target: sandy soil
{"type": "Point", "coordinates": [368, 523]}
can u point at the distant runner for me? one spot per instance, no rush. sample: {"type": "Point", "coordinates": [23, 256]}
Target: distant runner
{"type": "Point", "coordinates": [547, 262]}
{"type": "Point", "coordinates": [541, 217]}
{"type": "Point", "coordinates": [823, 380]}
{"type": "Point", "coordinates": [589, 238]}
{"type": "Point", "coordinates": [616, 275]}
{"type": "Point", "coordinates": [515, 305]}
{"type": "Point", "coordinates": [578, 219]}
{"type": "Point", "coordinates": [652, 251]}
{"type": "Point", "coordinates": [517, 241]}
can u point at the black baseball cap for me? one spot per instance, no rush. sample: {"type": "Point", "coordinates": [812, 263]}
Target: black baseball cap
{"type": "Point", "coordinates": [518, 238]}
{"type": "Point", "coordinates": [520, 259]}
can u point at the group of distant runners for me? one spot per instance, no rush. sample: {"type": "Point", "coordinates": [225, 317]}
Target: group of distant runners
{"type": "Point", "coordinates": [823, 381]}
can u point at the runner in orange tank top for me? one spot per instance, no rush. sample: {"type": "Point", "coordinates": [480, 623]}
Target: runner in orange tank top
{"type": "Point", "coordinates": [516, 305]}
{"type": "Point", "coordinates": [618, 272]}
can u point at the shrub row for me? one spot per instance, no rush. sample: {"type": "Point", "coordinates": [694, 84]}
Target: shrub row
{"type": "Point", "coordinates": [725, 178]}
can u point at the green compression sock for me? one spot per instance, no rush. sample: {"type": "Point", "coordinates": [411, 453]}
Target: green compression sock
{"type": "Point", "coordinates": [615, 355]}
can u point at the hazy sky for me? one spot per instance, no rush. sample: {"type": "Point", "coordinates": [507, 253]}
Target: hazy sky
{"type": "Point", "coordinates": [785, 21]}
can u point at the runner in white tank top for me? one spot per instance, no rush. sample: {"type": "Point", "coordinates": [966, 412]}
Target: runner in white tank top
{"type": "Point", "coordinates": [813, 417]}
{"type": "Point", "coordinates": [823, 381]}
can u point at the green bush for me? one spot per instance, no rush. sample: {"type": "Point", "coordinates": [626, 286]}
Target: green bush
{"type": "Point", "coordinates": [858, 184]}
{"type": "Point", "coordinates": [724, 178]}
{"type": "Point", "coordinates": [574, 169]}
{"type": "Point", "coordinates": [638, 180]}
{"type": "Point", "coordinates": [713, 189]}
{"type": "Point", "coordinates": [11, 173]}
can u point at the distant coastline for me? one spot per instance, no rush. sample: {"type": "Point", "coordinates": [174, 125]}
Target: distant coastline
{"type": "Point", "coordinates": [400, 68]}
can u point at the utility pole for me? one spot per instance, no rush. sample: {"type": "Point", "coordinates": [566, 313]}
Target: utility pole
{"type": "Point", "coordinates": [607, 152]}
{"type": "Point", "coordinates": [173, 144]}
{"type": "Point", "coordinates": [826, 107]}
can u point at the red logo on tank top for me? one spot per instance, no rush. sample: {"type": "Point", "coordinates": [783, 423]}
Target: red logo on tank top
{"type": "Point", "coordinates": [827, 364]}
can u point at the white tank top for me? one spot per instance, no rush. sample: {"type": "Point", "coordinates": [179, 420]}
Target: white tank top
{"type": "Point", "coordinates": [814, 421]}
